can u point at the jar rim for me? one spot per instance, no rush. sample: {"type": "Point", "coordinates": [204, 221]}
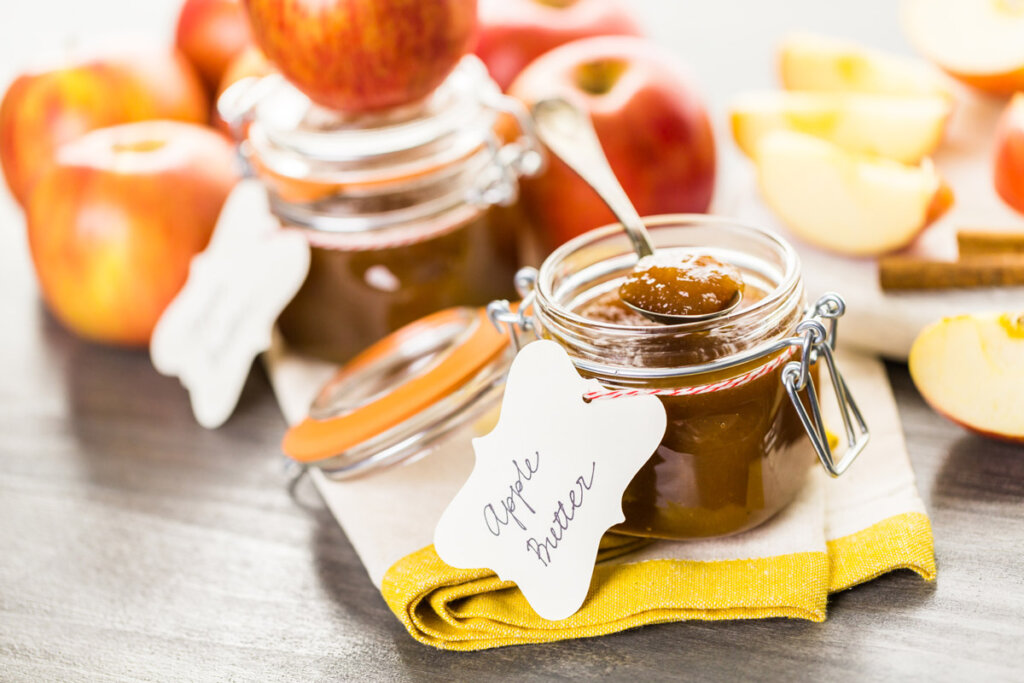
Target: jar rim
{"type": "Point", "coordinates": [792, 272]}
{"type": "Point", "coordinates": [549, 309]}
{"type": "Point", "coordinates": [455, 107]}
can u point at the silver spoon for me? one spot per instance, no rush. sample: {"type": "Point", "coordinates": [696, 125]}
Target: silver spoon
{"type": "Point", "coordinates": [569, 134]}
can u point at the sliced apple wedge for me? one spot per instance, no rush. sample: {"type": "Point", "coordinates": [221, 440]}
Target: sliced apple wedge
{"type": "Point", "coordinates": [970, 368]}
{"type": "Point", "coordinates": [812, 62]}
{"type": "Point", "coordinates": [845, 202]}
{"type": "Point", "coordinates": [898, 127]}
{"type": "Point", "coordinates": [979, 42]}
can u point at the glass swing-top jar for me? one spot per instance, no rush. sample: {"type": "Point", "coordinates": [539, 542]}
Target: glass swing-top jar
{"type": "Point", "coordinates": [407, 211]}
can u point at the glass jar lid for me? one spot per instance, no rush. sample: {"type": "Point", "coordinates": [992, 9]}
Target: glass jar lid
{"type": "Point", "coordinates": [291, 136]}
{"type": "Point", "coordinates": [344, 173]}
{"type": "Point", "coordinates": [596, 262]}
{"type": "Point", "coordinates": [394, 400]}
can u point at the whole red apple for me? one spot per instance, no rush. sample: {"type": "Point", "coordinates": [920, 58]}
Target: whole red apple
{"type": "Point", "coordinates": [649, 118]}
{"type": "Point", "coordinates": [1009, 162]}
{"type": "Point", "coordinates": [515, 32]}
{"type": "Point", "coordinates": [211, 33]}
{"type": "Point", "coordinates": [45, 109]}
{"type": "Point", "coordinates": [115, 221]}
{"type": "Point", "coordinates": [360, 55]}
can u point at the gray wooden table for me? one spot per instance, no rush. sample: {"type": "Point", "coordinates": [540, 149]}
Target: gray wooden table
{"type": "Point", "coordinates": [136, 545]}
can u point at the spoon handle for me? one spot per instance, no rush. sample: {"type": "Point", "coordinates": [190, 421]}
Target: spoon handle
{"type": "Point", "coordinates": [569, 134]}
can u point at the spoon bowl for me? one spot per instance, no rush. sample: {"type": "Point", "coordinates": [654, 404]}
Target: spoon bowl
{"type": "Point", "coordinates": [672, 319]}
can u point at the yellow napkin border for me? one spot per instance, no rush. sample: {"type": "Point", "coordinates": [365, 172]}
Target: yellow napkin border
{"type": "Point", "coordinates": [471, 609]}
{"type": "Point", "coordinates": [904, 541]}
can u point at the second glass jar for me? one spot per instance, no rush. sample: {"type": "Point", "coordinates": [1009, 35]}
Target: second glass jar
{"type": "Point", "coordinates": [407, 212]}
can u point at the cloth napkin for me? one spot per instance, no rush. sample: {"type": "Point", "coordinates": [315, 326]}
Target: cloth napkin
{"type": "Point", "coordinates": [838, 533]}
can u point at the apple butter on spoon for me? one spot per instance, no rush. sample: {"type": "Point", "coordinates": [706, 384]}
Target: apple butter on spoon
{"type": "Point", "coordinates": [694, 286]}
{"type": "Point", "coordinates": [662, 288]}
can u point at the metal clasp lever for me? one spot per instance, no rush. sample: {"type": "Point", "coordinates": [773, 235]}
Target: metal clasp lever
{"type": "Point", "coordinates": [817, 342]}
{"type": "Point", "coordinates": [237, 107]}
{"type": "Point", "coordinates": [522, 157]}
{"type": "Point", "coordinates": [513, 318]}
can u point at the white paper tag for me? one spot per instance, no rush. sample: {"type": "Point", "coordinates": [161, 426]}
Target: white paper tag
{"type": "Point", "coordinates": [224, 315]}
{"type": "Point", "coordinates": [548, 481]}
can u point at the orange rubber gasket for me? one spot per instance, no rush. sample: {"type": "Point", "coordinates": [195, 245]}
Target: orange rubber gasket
{"type": "Point", "coordinates": [314, 440]}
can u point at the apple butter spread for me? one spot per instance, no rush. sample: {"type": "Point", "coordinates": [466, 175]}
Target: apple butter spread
{"type": "Point", "coordinates": [695, 284]}
{"type": "Point", "coordinates": [353, 297]}
{"type": "Point", "coordinates": [730, 458]}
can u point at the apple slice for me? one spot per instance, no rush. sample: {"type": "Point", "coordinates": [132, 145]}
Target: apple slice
{"type": "Point", "coordinates": [812, 62]}
{"type": "Point", "coordinates": [980, 42]}
{"type": "Point", "coordinates": [902, 128]}
{"type": "Point", "coordinates": [845, 202]}
{"type": "Point", "coordinates": [970, 368]}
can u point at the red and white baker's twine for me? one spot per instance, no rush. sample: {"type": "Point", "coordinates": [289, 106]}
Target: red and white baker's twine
{"type": "Point", "coordinates": [721, 385]}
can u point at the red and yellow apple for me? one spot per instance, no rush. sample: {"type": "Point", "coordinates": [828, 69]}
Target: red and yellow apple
{"type": "Point", "coordinates": [650, 120]}
{"type": "Point", "coordinates": [361, 55]}
{"type": "Point", "coordinates": [979, 42]}
{"type": "Point", "coordinates": [813, 62]}
{"type": "Point", "coordinates": [515, 32]}
{"type": "Point", "coordinates": [45, 109]}
{"type": "Point", "coordinates": [211, 33]}
{"type": "Point", "coordinates": [115, 221]}
{"type": "Point", "coordinates": [845, 202]}
{"type": "Point", "coordinates": [1009, 161]}
{"type": "Point", "coordinates": [903, 128]}
{"type": "Point", "coordinates": [970, 368]}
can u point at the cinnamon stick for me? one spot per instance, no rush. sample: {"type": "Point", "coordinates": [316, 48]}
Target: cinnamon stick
{"type": "Point", "coordinates": [973, 242]}
{"type": "Point", "coordinates": [901, 273]}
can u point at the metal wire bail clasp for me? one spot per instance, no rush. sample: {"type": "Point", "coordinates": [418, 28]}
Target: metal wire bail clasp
{"type": "Point", "coordinates": [237, 107]}
{"type": "Point", "coordinates": [522, 157]}
{"type": "Point", "coordinates": [513, 318]}
{"type": "Point", "coordinates": [817, 342]}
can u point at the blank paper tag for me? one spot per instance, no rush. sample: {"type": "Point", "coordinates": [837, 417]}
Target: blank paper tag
{"type": "Point", "coordinates": [548, 481]}
{"type": "Point", "coordinates": [223, 317]}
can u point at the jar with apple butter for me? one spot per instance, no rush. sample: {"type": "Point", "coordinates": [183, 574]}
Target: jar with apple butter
{"type": "Point", "coordinates": [744, 424]}
{"type": "Point", "coordinates": [407, 211]}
